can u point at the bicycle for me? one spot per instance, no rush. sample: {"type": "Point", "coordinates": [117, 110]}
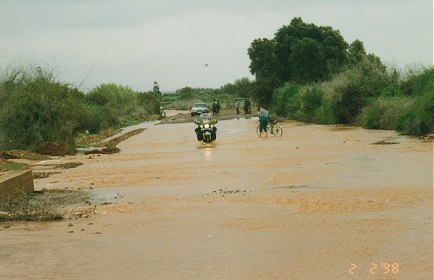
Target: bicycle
{"type": "Point", "coordinates": [274, 129]}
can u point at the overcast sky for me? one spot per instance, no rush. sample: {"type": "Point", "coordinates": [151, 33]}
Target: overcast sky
{"type": "Point", "coordinates": [137, 42]}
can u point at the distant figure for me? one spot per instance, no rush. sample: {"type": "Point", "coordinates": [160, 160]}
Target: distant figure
{"type": "Point", "coordinates": [162, 112]}
{"type": "Point", "coordinates": [237, 106]}
{"type": "Point", "coordinates": [264, 117]}
{"type": "Point", "coordinates": [214, 107]}
{"type": "Point", "coordinates": [218, 107]}
{"type": "Point", "coordinates": [247, 106]}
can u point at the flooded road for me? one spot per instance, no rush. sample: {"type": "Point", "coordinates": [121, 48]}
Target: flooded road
{"type": "Point", "coordinates": [320, 202]}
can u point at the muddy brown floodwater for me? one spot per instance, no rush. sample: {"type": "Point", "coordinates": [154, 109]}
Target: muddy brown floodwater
{"type": "Point", "coordinates": [320, 202]}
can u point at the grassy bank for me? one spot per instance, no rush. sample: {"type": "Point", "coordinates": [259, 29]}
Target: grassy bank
{"type": "Point", "coordinates": [37, 108]}
{"type": "Point", "coordinates": [369, 95]}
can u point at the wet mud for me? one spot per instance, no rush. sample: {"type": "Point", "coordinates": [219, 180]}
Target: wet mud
{"type": "Point", "coordinates": [320, 202]}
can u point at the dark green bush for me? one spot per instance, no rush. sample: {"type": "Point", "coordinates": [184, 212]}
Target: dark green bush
{"type": "Point", "coordinates": [420, 87]}
{"type": "Point", "coordinates": [149, 102]}
{"type": "Point", "coordinates": [311, 100]}
{"type": "Point", "coordinates": [285, 102]}
{"type": "Point", "coordinates": [95, 118]}
{"type": "Point", "coordinates": [342, 99]}
{"type": "Point", "coordinates": [418, 82]}
{"type": "Point", "coordinates": [352, 99]}
{"type": "Point", "coordinates": [420, 120]}
{"type": "Point", "coordinates": [365, 81]}
{"type": "Point", "coordinates": [36, 108]}
{"type": "Point", "coordinates": [393, 89]}
{"type": "Point", "coordinates": [113, 105]}
{"type": "Point", "coordinates": [406, 114]}
{"type": "Point", "coordinates": [384, 112]}
{"type": "Point", "coordinates": [97, 98]}
{"type": "Point", "coordinates": [186, 93]}
{"type": "Point", "coordinates": [367, 95]}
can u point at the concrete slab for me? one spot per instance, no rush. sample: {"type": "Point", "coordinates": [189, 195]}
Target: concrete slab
{"type": "Point", "coordinates": [16, 184]}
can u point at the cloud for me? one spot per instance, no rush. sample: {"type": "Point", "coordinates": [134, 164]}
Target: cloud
{"type": "Point", "coordinates": [136, 42]}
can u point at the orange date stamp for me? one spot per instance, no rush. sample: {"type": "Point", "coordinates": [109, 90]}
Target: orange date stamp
{"type": "Point", "coordinates": [375, 268]}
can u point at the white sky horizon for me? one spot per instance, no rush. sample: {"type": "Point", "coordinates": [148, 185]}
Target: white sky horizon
{"type": "Point", "coordinates": [137, 42]}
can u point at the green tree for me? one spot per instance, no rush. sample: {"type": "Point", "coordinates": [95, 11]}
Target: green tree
{"type": "Point", "coordinates": [263, 66]}
{"type": "Point", "coordinates": [329, 46]}
{"type": "Point", "coordinates": [240, 88]}
{"type": "Point", "coordinates": [243, 87]}
{"type": "Point", "coordinates": [263, 59]}
{"type": "Point", "coordinates": [230, 89]}
{"type": "Point", "coordinates": [356, 52]}
{"type": "Point", "coordinates": [299, 52]}
{"type": "Point", "coordinates": [308, 62]}
{"type": "Point", "coordinates": [185, 93]}
{"type": "Point", "coordinates": [156, 90]}
{"type": "Point", "coordinates": [263, 92]}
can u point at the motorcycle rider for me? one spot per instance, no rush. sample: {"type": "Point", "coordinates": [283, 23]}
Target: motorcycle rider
{"type": "Point", "coordinates": [205, 115]}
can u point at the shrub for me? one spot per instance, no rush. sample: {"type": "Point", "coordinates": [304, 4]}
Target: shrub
{"type": "Point", "coordinates": [419, 85]}
{"type": "Point", "coordinates": [345, 96]}
{"type": "Point", "coordinates": [148, 102]}
{"type": "Point", "coordinates": [311, 100]}
{"type": "Point", "coordinates": [285, 102]}
{"type": "Point", "coordinates": [420, 120]}
{"type": "Point", "coordinates": [112, 105]}
{"type": "Point", "coordinates": [384, 112]}
{"type": "Point", "coordinates": [393, 89]}
{"type": "Point", "coordinates": [36, 109]}
{"type": "Point", "coordinates": [96, 118]}
{"type": "Point", "coordinates": [418, 82]}
{"type": "Point", "coordinates": [402, 113]}
{"type": "Point", "coordinates": [352, 99]}
{"type": "Point", "coordinates": [96, 97]}
{"type": "Point", "coordinates": [186, 93]}
{"type": "Point", "coordinates": [331, 109]}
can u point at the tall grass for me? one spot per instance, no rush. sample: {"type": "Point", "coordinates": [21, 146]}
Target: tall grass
{"type": "Point", "coordinates": [285, 100]}
{"type": "Point", "coordinates": [369, 95]}
{"type": "Point", "coordinates": [36, 108]}
{"type": "Point", "coordinates": [410, 109]}
{"type": "Point", "coordinates": [113, 105]}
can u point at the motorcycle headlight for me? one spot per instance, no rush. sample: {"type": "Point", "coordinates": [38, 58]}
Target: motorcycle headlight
{"type": "Point", "coordinates": [206, 125]}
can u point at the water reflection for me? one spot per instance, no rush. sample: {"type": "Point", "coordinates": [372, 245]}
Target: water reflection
{"type": "Point", "coordinates": [208, 153]}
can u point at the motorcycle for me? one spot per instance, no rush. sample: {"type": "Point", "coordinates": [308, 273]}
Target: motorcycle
{"type": "Point", "coordinates": [206, 130]}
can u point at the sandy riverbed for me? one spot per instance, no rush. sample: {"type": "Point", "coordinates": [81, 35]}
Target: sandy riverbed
{"type": "Point", "coordinates": [321, 202]}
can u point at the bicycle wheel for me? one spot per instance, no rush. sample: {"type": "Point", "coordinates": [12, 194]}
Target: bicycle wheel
{"type": "Point", "coordinates": [276, 130]}
{"type": "Point", "coordinates": [257, 130]}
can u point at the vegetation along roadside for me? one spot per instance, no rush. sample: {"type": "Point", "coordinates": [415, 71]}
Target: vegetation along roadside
{"type": "Point", "coordinates": [305, 72]}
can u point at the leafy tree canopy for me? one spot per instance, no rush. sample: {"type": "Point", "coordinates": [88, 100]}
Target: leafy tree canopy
{"type": "Point", "coordinates": [300, 52]}
{"type": "Point", "coordinates": [240, 88]}
{"type": "Point", "coordinates": [156, 90]}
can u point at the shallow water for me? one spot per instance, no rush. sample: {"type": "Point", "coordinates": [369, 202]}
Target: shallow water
{"type": "Point", "coordinates": [317, 203]}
